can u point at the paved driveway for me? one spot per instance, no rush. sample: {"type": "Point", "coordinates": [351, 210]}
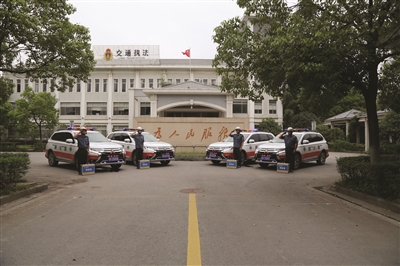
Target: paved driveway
{"type": "Point", "coordinates": [193, 213]}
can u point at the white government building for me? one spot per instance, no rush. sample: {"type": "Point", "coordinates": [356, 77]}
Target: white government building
{"type": "Point", "coordinates": [132, 86]}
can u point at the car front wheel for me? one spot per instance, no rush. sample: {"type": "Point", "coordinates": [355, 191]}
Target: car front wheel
{"type": "Point", "coordinates": [322, 158]}
{"type": "Point", "coordinates": [52, 159]}
{"type": "Point", "coordinates": [297, 161]}
{"type": "Point", "coordinates": [215, 162]}
{"type": "Point", "coordinates": [165, 162]}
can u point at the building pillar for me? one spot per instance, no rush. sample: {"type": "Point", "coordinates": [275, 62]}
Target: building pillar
{"type": "Point", "coordinates": [279, 111]}
{"type": "Point", "coordinates": [347, 128]}
{"type": "Point", "coordinates": [83, 102]}
{"type": "Point", "coordinates": [110, 89]}
{"type": "Point", "coordinates": [153, 105]}
{"type": "Point", "coordinates": [131, 106]}
{"type": "Point", "coordinates": [366, 135]}
{"type": "Point", "coordinates": [250, 113]}
{"type": "Point", "coordinates": [229, 106]}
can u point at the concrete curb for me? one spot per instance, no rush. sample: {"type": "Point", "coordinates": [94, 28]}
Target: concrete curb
{"type": "Point", "coordinates": [36, 189]}
{"type": "Point", "coordinates": [393, 207]}
{"type": "Point", "coordinates": [374, 204]}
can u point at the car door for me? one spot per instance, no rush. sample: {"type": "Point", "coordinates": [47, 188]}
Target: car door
{"type": "Point", "coordinates": [128, 146]}
{"type": "Point", "coordinates": [252, 144]}
{"type": "Point", "coordinates": [70, 147]}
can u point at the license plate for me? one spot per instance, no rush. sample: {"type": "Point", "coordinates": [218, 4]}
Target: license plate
{"type": "Point", "coordinates": [265, 158]}
{"type": "Point", "coordinates": [213, 155]}
{"type": "Point", "coordinates": [165, 156]}
{"type": "Point", "coordinates": [113, 159]}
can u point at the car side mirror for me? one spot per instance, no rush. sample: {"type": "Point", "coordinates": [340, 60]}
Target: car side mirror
{"type": "Point", "coordinates": [127, 140]}
{"type": "Point", "coordinates": [69, 141]}
{"type": "Point", "coordinates": [251, 141]}
{"type": "Point", "coordinates": [306, 141]}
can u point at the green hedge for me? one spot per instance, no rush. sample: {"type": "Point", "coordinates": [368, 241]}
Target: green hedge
{"type": "Point", "coordinates": [343, 146]}
{"type": "Point", "coordinates": [8, 146]}
{"type": "Point", "coordinates": [13, 167]}
{"type": "Point", "coordinates": [376, 179]}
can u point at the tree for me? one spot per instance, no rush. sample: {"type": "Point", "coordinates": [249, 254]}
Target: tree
{"type": "Point", "coordinates": [270, 125]}
{"type": "Point", "coordinates": [35, 109]}
{"type": "Point", "coordinates": [304, 120]}
{"type": "Point", "coordinates": [390, 126]}
{"type": "Point", "coordinates": [38, 40]}
{"type": "Point", "coordinates": [6, 89]}
{"type": "Point", "coordinates": [325, 48]}
{"type": "Point", "coordinates": [389, 94]}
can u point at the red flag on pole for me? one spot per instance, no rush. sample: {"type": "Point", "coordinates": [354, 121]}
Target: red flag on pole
{"type": "Point", "coordinates": [187, 52]}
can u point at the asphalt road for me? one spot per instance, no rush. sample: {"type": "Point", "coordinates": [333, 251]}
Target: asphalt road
{"type": "Point", "coordinates": [246, 216]}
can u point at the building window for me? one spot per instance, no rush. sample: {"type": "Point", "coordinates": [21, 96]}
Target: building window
{"type": "Point", "coordinates": [197, 80]}
{"type": "Point", "coordinates": [89, 85]}
{"type": "Point", "coordinates": [19, 85]}
{"type": "Point", "coordinates": [142, 83]}
{"type": "Point", "coordinates": [177, 81]}
{"type": "Point", "coordinates": [71, 89]}
{"type": "Point", "coordinates": [78, 85]}
{"type": "Point", "coordinates": [44, 85]}
{"type": "Point", "coordinates": [132, 83]}
{"type": "Point", "coordinates": [26, 83]}
{"type": "Point", "coordinates": [97, 108]}
{"type": "Point", "coordinates": [151, 83]}
{"type": "Point", "coordinates": [169, 81]}
{"type": "Point", "coordinates": [115, 85]}
{"type": "Point", "coordinates": [159, 82]}
{"type": "Point", "coordinates": [121, 108]}
{"type": "Point", "coordinates": [272, 106]}
{"type": "Point", "coordinates": [36, 86]}
{"type": "Point", "coordinates": [97, 85]}
{"type": "Point", "coordinates": [145, 108]}
{"type": "Point", "coordinates": [105, 81]}
{"type": "Point", "coordinates": [72, 108]}
{"type": "Point", "coordinates": [240, 106]}
{"type": "Point", "coordinates": [205, 81]}
{"type": "Point", "coordinates": [258, 107]}
{"type": "Point", "coordinates": [123, 81]}
{"type": "Point", "coordinates": [186, 80]}
{"type": "Point", "coordinates": [213, 82]}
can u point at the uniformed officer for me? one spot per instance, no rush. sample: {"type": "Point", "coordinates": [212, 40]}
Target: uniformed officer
{"type": "Point", "coordinates": [83, 148]}
{"type": "Point", "coordinates": [291, 143]}
{"type": "Point", "coordinates": [238, 141]}
{"type": "Point", "coordinates": [139, 143]}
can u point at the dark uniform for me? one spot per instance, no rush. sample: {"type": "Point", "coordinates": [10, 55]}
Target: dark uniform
{"type": "Point", "coordinates": [238, 140]}
{"type": "Point", "coordinates": [83, 150]}
{"type": "Point", "coordinates": [290, 147]}
{"type": "Point", "coordinates": [139, 142]}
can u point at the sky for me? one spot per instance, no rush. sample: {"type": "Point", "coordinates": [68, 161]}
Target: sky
{"type": "Point", "coordinates": [173, 25]}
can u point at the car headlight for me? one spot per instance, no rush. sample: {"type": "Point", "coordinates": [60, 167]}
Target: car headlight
{"type": "Point", "coordinates": [228, 149]}
{"type": "Point", "coordinates": [148, 148]}
{"type": "Point", "coordinates": [97, 149]}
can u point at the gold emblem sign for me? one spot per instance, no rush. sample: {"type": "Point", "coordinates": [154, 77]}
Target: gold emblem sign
{"type": "Point", "coordinates": [108, 56]}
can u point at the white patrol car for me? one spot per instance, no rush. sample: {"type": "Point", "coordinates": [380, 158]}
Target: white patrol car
{"type": "Point", "coordinates": [311, 147]}
{"type": "Point", "coordinates": [221, 151]}
{"type": "Point", "coordinates": [61, 147]}
{"type": "Point", "coordinates": [153, 149]}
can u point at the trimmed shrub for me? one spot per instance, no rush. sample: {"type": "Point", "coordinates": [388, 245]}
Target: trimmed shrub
{"type": "Point", "coordinates": [8, 146]}
{"type": "Point", "coordinates": [380, 179]}
{"type": "Point", "coordinates": [341, 146]}
{"type": "Point", "coordinates": [13, 167]}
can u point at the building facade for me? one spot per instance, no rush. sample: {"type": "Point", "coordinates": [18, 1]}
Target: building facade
{"type": "Point", "coordinates": [132, 85]}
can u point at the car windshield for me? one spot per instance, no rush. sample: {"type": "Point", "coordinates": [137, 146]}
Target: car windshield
{"type": "Point", "coordinates": [96, 137]}
{"type": "Point", "coordinates": [230, 139]}
{"type": "Point", "coordinates": [277, 140]}
{"type": "Point", "coordinates": [149, 138]}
